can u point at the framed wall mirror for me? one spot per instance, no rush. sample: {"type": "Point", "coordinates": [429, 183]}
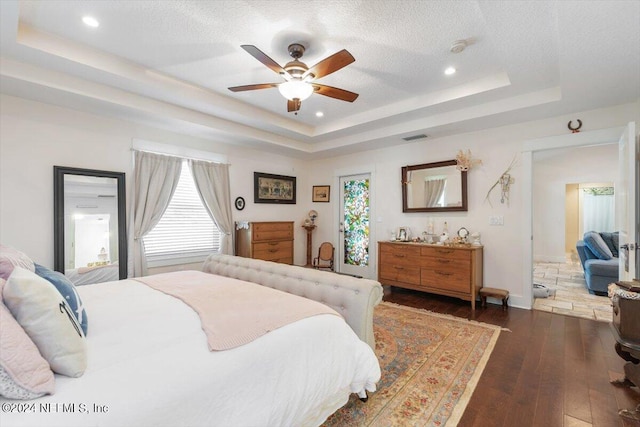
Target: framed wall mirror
{"type": "Point", "coordinates": [89, 225]}
{"type": "Point", "coordinates": [434, 187]}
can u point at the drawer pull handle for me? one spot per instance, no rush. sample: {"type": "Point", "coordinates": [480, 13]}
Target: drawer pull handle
{"type": "Point", "coordinates": [399, 255]}
{"type": "Point", "coordinates": [399, 268]}
{"type": "Point", "coordinates": [441, 251]}
{"type": "Point", "coordinates": [442, 273]}
{"type": "Point", "coordinates": [273, 250]}
{"type": "Point", "coordinates": [273, 243]}
{"type": "Point", "coordinates": [445, 261]}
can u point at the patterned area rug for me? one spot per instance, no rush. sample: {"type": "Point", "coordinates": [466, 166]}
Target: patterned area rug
{"type": "Point", "coordinates": [430, 364]}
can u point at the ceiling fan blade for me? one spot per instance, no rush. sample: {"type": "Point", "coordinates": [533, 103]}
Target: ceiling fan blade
{"type": "Point", "coordinates": [293, 105]}
{"type": "Point", "coordinates": [334, 92]}
{"type": "Point", "coordinates": [262, 57]}
{"type": "Point", "coordinates": [329, 65]}
{"type": "Point", "coordinates": [253, 87]}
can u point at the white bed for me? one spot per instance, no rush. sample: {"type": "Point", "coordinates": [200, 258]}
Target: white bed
{"type": "Point", "coordinates": [149, 365]}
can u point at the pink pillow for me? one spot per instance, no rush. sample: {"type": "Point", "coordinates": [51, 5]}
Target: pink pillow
{"type": "Point", "coordinates": [10, 258]}
{"type": "Point", "coordinates": [24, 374]}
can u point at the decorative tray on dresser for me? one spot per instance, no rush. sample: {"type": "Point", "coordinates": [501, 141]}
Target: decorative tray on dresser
{"type": "Point", "coordinates": [453, 270]}
{"type": "Point", "coordinates": [270, 241]}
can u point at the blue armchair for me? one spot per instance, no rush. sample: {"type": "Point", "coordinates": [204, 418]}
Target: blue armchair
{"type": "Point", "coordinates": [599, 257]}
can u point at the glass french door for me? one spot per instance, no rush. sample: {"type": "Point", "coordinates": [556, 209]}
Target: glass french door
{"type": "Point", "coordinates": [355, 219]}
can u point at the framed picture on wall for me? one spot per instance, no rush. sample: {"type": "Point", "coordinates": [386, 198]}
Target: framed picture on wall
{"type": "Point", "coordinates": [268, 188]}
{"type": "Point", "coordinates": [321, 193]}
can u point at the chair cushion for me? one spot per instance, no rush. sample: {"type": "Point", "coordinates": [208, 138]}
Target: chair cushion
{"type": "Point", "coordinates": [597, 245]}
{"type": "Point", "coordinates": [600, 267]}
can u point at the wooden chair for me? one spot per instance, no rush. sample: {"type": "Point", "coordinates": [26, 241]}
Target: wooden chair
{"type": "Point", "coordinates": [325, 257]}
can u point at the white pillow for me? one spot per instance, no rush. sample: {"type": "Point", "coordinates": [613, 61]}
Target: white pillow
{"type": "Point", "coordinates": [48, 320]}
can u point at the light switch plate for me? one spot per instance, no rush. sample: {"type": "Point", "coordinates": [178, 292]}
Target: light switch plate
{"type": "Point", "coordinates": [496, 220]}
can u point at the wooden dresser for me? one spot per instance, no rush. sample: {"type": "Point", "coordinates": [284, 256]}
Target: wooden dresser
{"type": "Point", "coordinates": [270, 241]}
{"type": "Point", "coordinates": [446, 270]}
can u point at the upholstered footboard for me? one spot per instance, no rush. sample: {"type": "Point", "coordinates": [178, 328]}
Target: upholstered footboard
{"type": "Point", "coordinates": [353, 298]}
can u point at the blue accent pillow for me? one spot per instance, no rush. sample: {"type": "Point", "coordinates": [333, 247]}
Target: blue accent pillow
{"type": "Point", "coordinates": [596, 244]}
{"type": "Point", "coordinates": [615, 238]}
{"type": "Point", "coordinates": [68, 291]}
{"type": "Point", "coordinates": [611, 240]}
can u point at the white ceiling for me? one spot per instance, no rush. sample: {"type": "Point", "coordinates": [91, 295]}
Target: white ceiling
{"type": "Point", "coordinates": [169, 64]}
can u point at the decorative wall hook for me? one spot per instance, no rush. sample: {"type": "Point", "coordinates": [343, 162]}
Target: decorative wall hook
{"type": "Point", "coordinates": [465, 161]}
{"type": "Point", "coordinates": [504, 182]}
{"type": "Point", "coordinates": [576, 129]}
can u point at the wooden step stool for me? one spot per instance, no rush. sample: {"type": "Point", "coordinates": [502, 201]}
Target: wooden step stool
{"type": "Point", "coordinates": [495, 293]}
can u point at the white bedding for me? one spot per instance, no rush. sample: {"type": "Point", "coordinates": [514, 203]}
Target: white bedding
{"type": "Point", "coordinates": [149, 365]}
{"type": "Point", "coordinates": [105, 273]}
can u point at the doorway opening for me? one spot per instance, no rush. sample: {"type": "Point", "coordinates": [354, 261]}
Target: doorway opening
{"type": "Point", "coordinates": [572, 193]}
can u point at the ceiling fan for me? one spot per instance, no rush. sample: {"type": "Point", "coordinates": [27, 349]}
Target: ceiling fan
{"type": "Point", "coordinates": [299, 79]}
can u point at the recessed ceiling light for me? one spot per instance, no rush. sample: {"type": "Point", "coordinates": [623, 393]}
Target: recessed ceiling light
{"type": "Point", "coordinates": [450, 71]}
{"type": "Point", "coordinates": [90, 21]}
{"type": "Point", "coordinates": [319, 114]}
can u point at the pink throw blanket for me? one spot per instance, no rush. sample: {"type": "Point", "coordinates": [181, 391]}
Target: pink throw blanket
{"type": "Point", "coordinates": [234, 312]}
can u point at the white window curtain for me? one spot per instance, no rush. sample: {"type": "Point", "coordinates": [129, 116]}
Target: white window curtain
{"type": "Point", "coordinates": [433, 191]}
{"type": "Point", "coordinates": [156, 178]}
{"type": "Point", "coordinates": [598, 212]}
{"type": "Point", "coordinates": [212, 183]}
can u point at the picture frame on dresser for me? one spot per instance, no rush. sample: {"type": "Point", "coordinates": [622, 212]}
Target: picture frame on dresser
{"type": "Point", "coordinates": [270, 188]}
{"type": "Point", "coordinates": [404, 234]}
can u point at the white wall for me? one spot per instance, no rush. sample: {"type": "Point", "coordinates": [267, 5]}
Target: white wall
{"type": "Point", "coordinates": [552, 170]}
{"type": "Point", "coordinates": [36, 136]}
{"type": "Point", "coordinates": [503, 253]}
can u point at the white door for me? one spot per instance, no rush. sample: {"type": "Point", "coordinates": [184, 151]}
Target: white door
{"type": "Point", "coordinates": [627, 214]}
{"type": "Point", "coordinates": [355, 221]}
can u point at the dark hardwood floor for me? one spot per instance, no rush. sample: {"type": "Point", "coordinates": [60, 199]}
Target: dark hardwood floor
{"type": "Point", "coordinates": [550, 370]}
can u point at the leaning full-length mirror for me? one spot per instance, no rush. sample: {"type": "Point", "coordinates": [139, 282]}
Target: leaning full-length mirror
{"type": "Point", "coordinates": [434, 187]}
{"type": "Point", "coordinates": [89, 225]}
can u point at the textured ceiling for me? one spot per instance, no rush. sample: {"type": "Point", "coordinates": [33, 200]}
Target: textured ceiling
{"type": "Point", "coordinates": [169, 64]}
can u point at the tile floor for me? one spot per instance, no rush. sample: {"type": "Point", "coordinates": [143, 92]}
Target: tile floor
{"type": "Point", "coordinates": [572, 297]}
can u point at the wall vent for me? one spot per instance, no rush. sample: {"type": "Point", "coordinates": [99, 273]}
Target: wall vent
{"type": "Point", "coordinates": [414, 137]}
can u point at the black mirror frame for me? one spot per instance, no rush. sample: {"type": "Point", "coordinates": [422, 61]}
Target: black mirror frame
{"type": "Point", "coordinates": [463, 177]}
{"type": "Point", "coordinates": [58, 214]}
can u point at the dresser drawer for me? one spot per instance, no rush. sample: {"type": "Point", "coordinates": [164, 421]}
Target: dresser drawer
{"type": "Point", "coordinates": [446, 279]}
{"type": "Point", "coordinates": [399, 273]}
{"type": "Point", "coordinates": [445, 252]}
{"type": "Point", "coordinates": [272, 231]}
{"type": "Point", "coordinates": [447, 264]}
{"type": "Point", "coordinates": [402, 255]}
{"type": "Point", "coordinates": [271, 251]}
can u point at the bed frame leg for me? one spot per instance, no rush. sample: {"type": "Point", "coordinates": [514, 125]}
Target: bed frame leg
{"type": "Point", "coordinates": [363, 396]}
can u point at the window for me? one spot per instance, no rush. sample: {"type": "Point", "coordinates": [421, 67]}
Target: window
{"type": "Point", "coordinates": [186, 229]}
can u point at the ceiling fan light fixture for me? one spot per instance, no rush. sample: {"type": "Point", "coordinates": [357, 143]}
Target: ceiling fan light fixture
{"type": "Point", "coordinates": [295, 89]}
{"type": "Point", "coordinates": [90, 21]}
